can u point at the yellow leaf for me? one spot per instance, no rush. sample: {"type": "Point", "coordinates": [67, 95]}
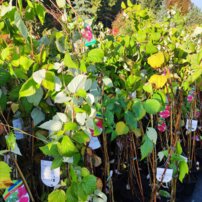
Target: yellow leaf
{"type": "Point", "coordinates": [121, 128]}
{"type": "Point", "coordinates": [158, 80]}
{"type": "Point", "coordinates": [156, 60]}
{"type": "Point", "coordinates": [5, 180]}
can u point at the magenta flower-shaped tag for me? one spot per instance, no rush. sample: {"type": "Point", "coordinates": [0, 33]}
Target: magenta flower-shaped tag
{"type": "Point", "coordinates": [165, 113]}
{"type": "Point", "coordinates": [162, 126]}
{"type": "Point", "coordinates": [190, 98]}
{"type": "Point", "coordinates": [87, 33]}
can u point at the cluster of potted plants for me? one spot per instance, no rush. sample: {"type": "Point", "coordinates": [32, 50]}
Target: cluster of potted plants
{"type": "Point", "coordinates": [103, 115]}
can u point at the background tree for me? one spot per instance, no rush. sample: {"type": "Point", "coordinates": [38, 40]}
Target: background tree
{"type": "Point", "coordinates": [183, 5]}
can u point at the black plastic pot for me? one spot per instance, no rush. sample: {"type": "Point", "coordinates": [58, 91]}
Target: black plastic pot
{"type": "Point", "coordinates": [199, 155]}
{"type": "Point", "coordinates": [188, 187]}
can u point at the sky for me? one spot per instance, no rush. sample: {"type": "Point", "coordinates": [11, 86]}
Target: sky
{"type": "Point", "coordinates": [198, 3]}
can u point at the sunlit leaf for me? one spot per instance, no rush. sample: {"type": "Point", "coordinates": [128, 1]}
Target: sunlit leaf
{"type": "Point", "coordinates": [121, 128]}
{"type": "Point", "coordinates": [184, 169]}
{"type": "Point", "coordinates": [156, 60]}
{"type": "Point", "coordinates": [158, 80]}
{"type": "Point", "coordinates": [21, 25]}
{"type": "Point", "coordinates": [77, 83]}
{"type": "Point", "coordinates": [152, 106]}
{"type": "Point", "coordinates": [67, 147]}
{"type": "Point", "coordinates": [5, 180]}
{"type": "Point", "coordinates": [28, 88]}
{"type": "Point", "coordinates": [52, 125]}
{"type": "Point", "coordinates": [57, 195]}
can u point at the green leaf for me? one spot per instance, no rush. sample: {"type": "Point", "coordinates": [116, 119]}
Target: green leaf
{"type": "Point", "coordinates": [148, 88]}
{"type": "Point", "coordinates": [38, 116]}
{"type": "Point", "coordinates": [25, 62]}
{"type": "Point", "coordinates": [67, 147]}
{"type": "Point", "coordinates": [107, 82]}
{"type": "Point", "coordinates": [4, 77]}
{"type": "Point", "coordinates": [81, 118]}
{"type": "Point", "coordinates": [81, 138]}
{"type": "Point", "coordinates": [20, 25]}
{"type": "Point", "coordinates": [89, 184]}
{"type": "Point", "coordinates": [129, 3]}
{"type": "Point", "coordinates": [14, 93]}
{"type": "Point", "coordinates": [161, 97]}
{"type": "Point", "coordinates": [52, 125]}
{"type": "Point", "coordinates": [195, 75]}
{"type": "Point", "coordinates": [61, 97]}
{"type": "Point", "coordinates": [49, 81]}
{"type": "Point", "coordinates": [152, 134]}
{"type": "Point", "coordinates": [69, 62]}
{"type": "Point", "coordinates": [36, 98]}
{"type": "Point", "coordinates": [71, 195]}
{"type": "Point", "coordinates": [57, 195]}
{"type": "Point", "coordinates": [178, 148]}
{"type": "Point", "coordinates": [41, 12]}
{"type": "Point", "coordinates": [39, 76]}
{"type": "Point", "coordinates": [84, 172]}
{"type": "Point", "coordinates": [25, 106]}
{"type": "Point", "coordinates": [3, 102]}
{"type": "Point", "coordinates": [77, 83]}
{"type": "Point", "coordinates": [147, 147]}
{"type": "Point", "coordinates": [50, 149]}
{"type": "Point", "coordinates": [152, 106]}
{"type": "Point", "coordinates": [130, 120]}
{"type": "Point", "coordinates": [5, 180]}
{"type": "Point", "coordinates": [138, 109]}
{"type": "Point", "coordinates": [99, 196]}
{"type": "Point", "coordinates": [183, 169]}
{"type": "Point", "coordinates": [95, 55]}
{"type": "Point", "coordinates": [151, 49]}
{"type": "Point", "coordinates": [2, 152]}
{"type": "Point", "coordinates": [28, 88]}
{"type": "Point", "coordinates": [57, 162]}
{"type": "Point", "coordinates": [123, 5]}
{"type": "Point", "coordinates": [60, 117]}
{"type": "Point", "coordinates": [11, 141]}
{"type": "Point", "coordinates": [70, 126]}
{"type": "Point", "coordinates": [164, 194]}
{"type": "Point", "coordinates": [81, 93]}
{"type": "Point", "coordinates": [161, 154]}
{"type": "Point", "coordinates": [121, 128]}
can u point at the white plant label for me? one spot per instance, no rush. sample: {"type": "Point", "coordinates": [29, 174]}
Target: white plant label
{"type": "Point", "coordinates": [49, 177]}
{"type": "Point", "coordinates": [94, 143]}
{"type": "Point", "coordinates": [18, 123]}
{"type": "Point", "coordinates": [191, 125]}
{"type": "Point", "coordinates": [167, 177]}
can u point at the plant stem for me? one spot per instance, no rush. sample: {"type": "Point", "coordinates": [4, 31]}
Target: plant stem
{"type": "Point", "coordinates": [24, 180]}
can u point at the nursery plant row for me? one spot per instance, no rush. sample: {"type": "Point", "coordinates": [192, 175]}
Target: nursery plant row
{"type": "Point", "coordinates": [90, 113]}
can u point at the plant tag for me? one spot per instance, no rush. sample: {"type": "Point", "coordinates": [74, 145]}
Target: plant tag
{"type": "Point", "coordinates": [94, 143]}
{"type": "Point", "coordinates": [18, 123]}
{"type": "Point", "coordinates": [191, 125]}
{"type": "Point", "coordinates": [49, 177]}
{"type": "Point", "coordinates": [98, 128]}
{"type": "Point", "coordinates": [167, 177]}
{"type": "Point", "coordinates": [16, 192]}
{"type": "Point", "coordinates": [88, 35]}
